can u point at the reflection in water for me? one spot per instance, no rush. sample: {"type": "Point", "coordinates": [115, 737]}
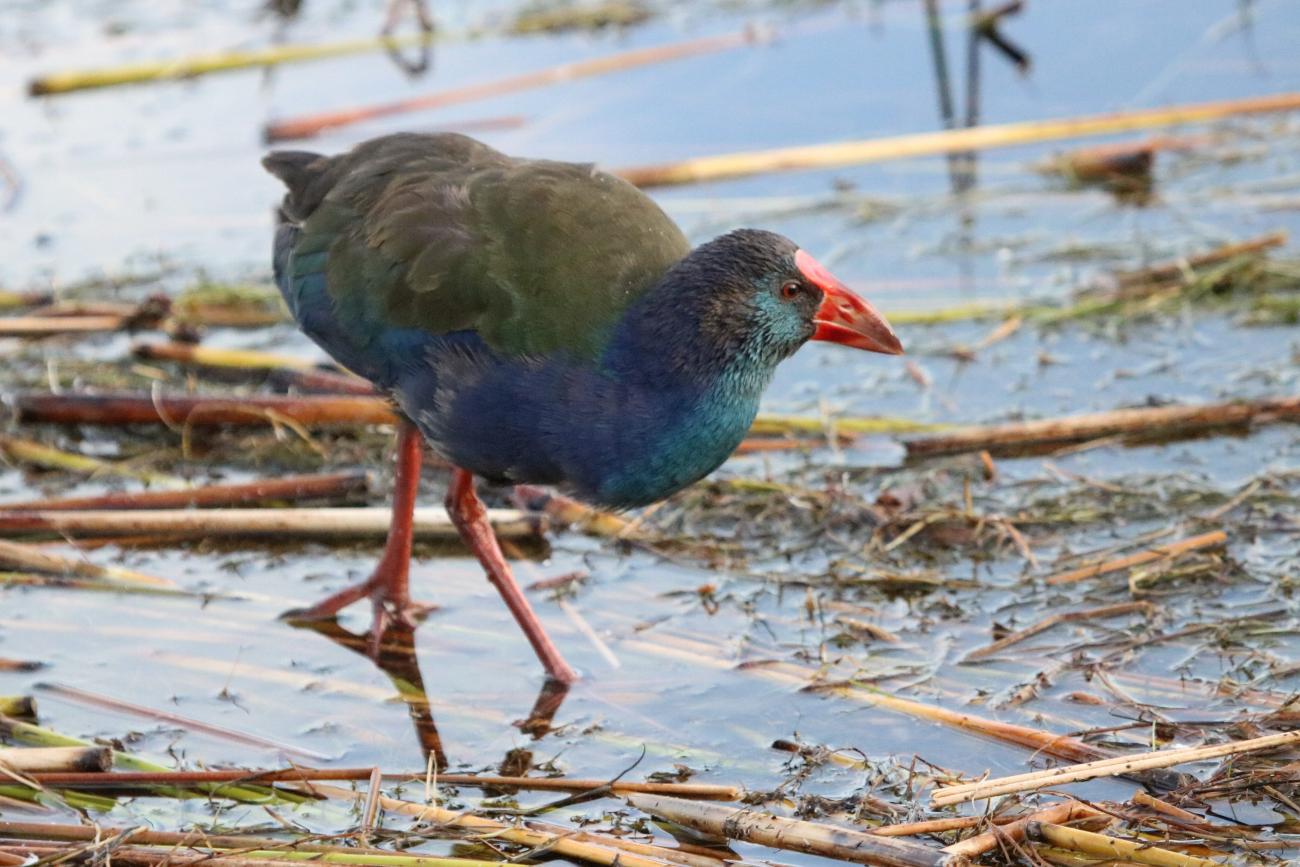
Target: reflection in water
{"type": "Point", "coordinates": [981, 27]}
{"type": "Point", "coordinates": [539, 720]}
{"type": "Point", "coordinates": [397, 659]}
{"type": "Point", "coordinates": [285, 10]}
{"type": "Point", "coordinates": [423, 61]}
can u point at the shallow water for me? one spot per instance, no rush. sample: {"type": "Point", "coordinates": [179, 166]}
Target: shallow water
{"type": "Point", "coordinates": [118, 179]}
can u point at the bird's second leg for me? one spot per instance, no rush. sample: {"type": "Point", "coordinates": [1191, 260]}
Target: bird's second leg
{"type": "Point", "coordinates": [388, 586]}
{"type": "Point", "coordinates": [471, 519]}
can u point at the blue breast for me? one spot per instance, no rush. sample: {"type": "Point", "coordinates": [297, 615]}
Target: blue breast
{"type": "Point", "coordinates": [555, 422]}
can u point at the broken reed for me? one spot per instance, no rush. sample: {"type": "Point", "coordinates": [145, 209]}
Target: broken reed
{"type": "Point", "coordinates": [21, 706]}
{"type": "Point", "coordinates": [89, 761]}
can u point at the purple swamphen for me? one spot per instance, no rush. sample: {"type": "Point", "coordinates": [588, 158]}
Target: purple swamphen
{"type": "Point", "coordinates": [539, 322]}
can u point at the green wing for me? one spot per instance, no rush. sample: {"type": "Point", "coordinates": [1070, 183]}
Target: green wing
{"type": "Point", "coordinates": [442, 233]}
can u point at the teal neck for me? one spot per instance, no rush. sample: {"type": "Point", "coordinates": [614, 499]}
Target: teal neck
{"type": "Point", "coordinates": [688, 381]}
{"type": "Point", "coordinates": [696, 433]}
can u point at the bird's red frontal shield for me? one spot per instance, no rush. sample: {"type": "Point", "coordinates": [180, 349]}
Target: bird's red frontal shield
{"type": "Point", "coordinates": [845, 317]}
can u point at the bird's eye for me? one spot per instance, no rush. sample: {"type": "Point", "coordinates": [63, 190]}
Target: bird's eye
{"type": "Point", "coordinates": [790, 290]}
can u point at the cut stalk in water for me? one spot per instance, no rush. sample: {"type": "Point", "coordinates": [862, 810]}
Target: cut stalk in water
{"type": "Point", "coordinates": [29, 733]}
{"type": "Point", "coordinates": [23, 706]}
{"type": "Point", "coordinates": [28, 760]}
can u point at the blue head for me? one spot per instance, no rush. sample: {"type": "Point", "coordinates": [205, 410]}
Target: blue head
{"type": "Point", "coordinates": [742, 303]}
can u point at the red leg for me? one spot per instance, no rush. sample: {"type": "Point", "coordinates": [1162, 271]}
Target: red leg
{"type": "Point", "coordinates": [387, 586]}
{"type": "Point", "coordinates": [469, 516]}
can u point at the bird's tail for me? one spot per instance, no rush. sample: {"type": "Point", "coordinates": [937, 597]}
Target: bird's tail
{"type": "Point", "coordinates": [303, 172]}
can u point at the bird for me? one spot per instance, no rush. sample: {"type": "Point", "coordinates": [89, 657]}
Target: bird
{"type": "Point", "coordinates": [537, 322]}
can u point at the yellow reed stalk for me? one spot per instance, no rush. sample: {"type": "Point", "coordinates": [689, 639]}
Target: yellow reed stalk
{"type": "Point", "coordinates": [956, 313]}
{"type": "Point", "coordinates": [840, 154]}
{"type": "Point", "coordinates": [27, 557]}
{"type": "Point", "coordinates": [48, 457]}
{"type": "Point", "coordinates": [224, 61]}
{"type": "Point", "coordinates": [778, 425]}
{"type": "Point", "coordinates": [1112, 848]}
{"type": "Point", "coordinates": [9, 299]}
{"type": "Point", "coordinates": [50, 326]}
{"type": "Point", "coordinates": [210, 356]}
{"type": "Point", "coordinates": [17, 705]}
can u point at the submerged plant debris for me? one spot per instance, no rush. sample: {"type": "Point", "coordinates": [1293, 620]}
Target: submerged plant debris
{"type": "Point", "coordinates": [901, 626]}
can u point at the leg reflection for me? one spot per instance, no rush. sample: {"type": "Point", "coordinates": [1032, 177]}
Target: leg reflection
{"type": "Point", "coordinates": [539, 719]}
{"type": "Point", "coordinates": [396, 658]}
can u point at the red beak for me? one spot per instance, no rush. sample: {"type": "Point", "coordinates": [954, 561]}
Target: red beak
{"type": "Point", "coordinates": [843, 316]}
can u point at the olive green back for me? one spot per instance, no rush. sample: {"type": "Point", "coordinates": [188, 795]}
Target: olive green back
{"type": "Point", "coordinates": [442, 233]}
